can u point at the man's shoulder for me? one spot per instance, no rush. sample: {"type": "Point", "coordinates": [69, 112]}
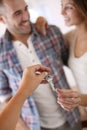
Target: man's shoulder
{"type": "Point", "coordinates": [53, 31]}
{"type": "Point", "coordinates": [3, 37]}
{"type": "Point", "coordinates": [3, 43]}
{"type": "Point", "coordinates": [54, 28]}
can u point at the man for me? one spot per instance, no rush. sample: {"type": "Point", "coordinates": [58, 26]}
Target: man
{"type": "Point", "coordinates": [23, 46]}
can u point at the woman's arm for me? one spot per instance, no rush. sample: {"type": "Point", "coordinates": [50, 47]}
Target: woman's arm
{"type": "Point", "coordinates": [30, 81]}
{"type": "Point", "coordinates": [41, 25]}
{"type": "Point", "coordinates": [83, 100]}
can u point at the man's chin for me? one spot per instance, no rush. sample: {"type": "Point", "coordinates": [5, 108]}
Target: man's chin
{"type": "Point", "coordinates": [26, 32]}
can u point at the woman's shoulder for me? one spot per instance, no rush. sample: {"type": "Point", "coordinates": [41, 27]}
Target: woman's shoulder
{"type": "Point", "coordinates": [69, 35]}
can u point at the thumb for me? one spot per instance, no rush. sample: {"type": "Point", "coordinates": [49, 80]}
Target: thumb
{"type": "Point", "coordinates": [44, 28]}
{"type": "Point", "coordinates": [59, 90]}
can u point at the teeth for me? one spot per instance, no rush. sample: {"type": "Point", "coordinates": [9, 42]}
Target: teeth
{"type": "Point", "coordinates": [66, 19]}
{"type": "Point", "coordinates": [25, 23]}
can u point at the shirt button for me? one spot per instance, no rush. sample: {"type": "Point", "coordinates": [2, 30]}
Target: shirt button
{"type": "Point", "coordinates": [33, 60]}
{"type": "Point", "coordinates": [20, 44]}
{"type": "Point", "coordinates": [30, 51]}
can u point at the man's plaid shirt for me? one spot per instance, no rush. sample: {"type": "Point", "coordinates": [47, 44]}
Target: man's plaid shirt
{"type": "Point", "coordinates": [51, 51]}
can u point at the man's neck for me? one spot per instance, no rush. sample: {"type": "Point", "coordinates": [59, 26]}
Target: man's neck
{"type": "Point", "coordinates": [23, 38]}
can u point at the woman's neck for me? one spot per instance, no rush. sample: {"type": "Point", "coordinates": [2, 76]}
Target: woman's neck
{"type": "Point", "coordinates": [81, 29]}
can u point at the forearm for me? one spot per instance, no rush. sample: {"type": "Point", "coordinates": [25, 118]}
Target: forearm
{"type": "Point", "coordinates": [8, 118]}
{"type": "Point", "coordinates": [83, 100]}
{"type": "Point", "coordinates": [21, 125]}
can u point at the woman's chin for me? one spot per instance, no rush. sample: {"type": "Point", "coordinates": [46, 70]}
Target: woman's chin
{"type": "Point", "coordinates": [68, 24]}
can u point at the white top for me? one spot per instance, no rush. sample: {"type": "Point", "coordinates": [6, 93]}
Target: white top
{"type": "Point", "coordinates": [69, 76]}
{"type": "Point", "coordinates": [50, 113]}
{"type": "Point", "coordinates": [79, 69]}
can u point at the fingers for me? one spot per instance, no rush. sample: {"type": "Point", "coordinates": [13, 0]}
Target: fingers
{"type": "Point", "coordinates": [44, 28]}
{"type": "Point", "coordinates": [67, 93]}
{"type": "Point", "coordinates": [40, 68]}
{"type": "Point", "coordinates": [68, 103]}
{"type": "Point", "coordinates": [41, 25]}
{"type": "Point", "coordinates": [31, 80]}
{"type": "Point", "coordinates": [43, 71]}
{"type": "Point", "coordinates": [39, 71]}
{"type": "Point", "coordinates": [68, 99]}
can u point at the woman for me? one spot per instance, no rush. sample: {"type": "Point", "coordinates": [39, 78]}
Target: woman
{"type": "Point", "coordinates": [75, 13]}
{"type": "Point", "coordinates": [30, 81]}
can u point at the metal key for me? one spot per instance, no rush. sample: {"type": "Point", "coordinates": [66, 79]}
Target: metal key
{"type": "Point", "coordinates": [49, 79]}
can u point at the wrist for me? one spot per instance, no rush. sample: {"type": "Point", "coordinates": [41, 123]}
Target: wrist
{"type": "Point", "coordinates": [22, 93]}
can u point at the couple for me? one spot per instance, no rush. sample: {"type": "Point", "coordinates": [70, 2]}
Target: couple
{"type": "Point", "coordinates": [23, 46]}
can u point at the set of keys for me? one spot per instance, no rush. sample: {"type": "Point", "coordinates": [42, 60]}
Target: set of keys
{"type": "Point", "coordinates": [49, 79]}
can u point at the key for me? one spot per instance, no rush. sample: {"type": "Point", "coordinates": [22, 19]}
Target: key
{"type": "Point", "coordinates": [49, 79]}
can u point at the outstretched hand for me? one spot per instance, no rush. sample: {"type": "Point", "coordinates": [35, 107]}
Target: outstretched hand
{"type": "Point", "coordinates": [30, 81]}
{"type": "Point", "coordinates": [30, 78]}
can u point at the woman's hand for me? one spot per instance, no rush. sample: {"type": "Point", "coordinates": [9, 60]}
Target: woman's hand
{"type": "Point", "coordinates": [68, 99]}
{"type": "Point", "coordinates": [41, 25]}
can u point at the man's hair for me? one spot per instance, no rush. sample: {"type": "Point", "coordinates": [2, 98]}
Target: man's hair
{"type": "Point", "coordinates": [2, 7]}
